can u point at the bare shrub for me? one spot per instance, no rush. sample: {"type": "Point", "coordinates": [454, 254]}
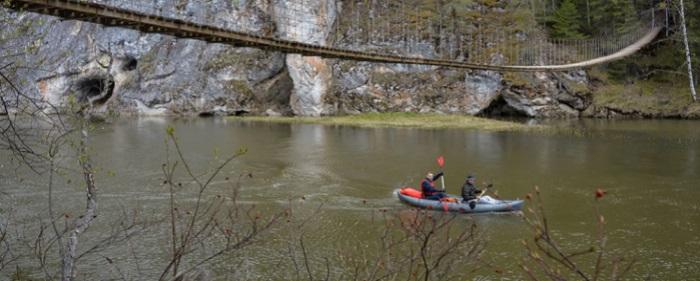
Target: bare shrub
{"type": "Point", "coordinates": [412, 245]}
{"type": "Point", "coordinates": [212, 227]}
{"type": "Point", "coordinates": [548, 260]}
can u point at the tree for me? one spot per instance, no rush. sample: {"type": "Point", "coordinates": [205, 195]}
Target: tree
{"type": "Point", "coordinates": [52, 140]}
{"type": "Point", "coordinates": [40, 143]}
{"type": "Point", "coordinates": [623, 16]}
{"type": "Point", "coordinates": [414, 245]}
{"type": "Point", "coordinates": [547, 259]}
{"type": "Point", "coordinates": [692, 10]}
{"type": "Point", "coordinates": [688, 59]}
{"type": "Point", "coordinates": [215, 222]}
{"type": "Point", "coordinates": [609, 16]}
{"type": "Point", "coordinates": [566, 22]}
{"type": "Point", "coordinates": [600, 14]}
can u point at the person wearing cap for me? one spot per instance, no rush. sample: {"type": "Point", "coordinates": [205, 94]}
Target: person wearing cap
{"type": "Point", "coordinates": [470, 191]}
{"type": "Point", "coordinates": [428, 187]}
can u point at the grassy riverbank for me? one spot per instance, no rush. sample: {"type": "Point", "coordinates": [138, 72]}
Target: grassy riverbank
{"type": "Point", "coordinates": [664, 96]}
{"type": "Point", "coordinates": [409, 120]}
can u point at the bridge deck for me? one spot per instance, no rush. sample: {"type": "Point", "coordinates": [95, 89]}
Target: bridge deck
{"type": "Point", "coordinates": [112, 16]}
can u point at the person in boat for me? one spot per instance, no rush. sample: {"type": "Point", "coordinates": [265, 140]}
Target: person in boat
{"type": "Point", "coordinates": [470, 192]}
{"type": "Point", "coordinates": [428, 187]}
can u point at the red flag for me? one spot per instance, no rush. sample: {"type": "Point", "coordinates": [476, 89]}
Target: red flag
{"type": "Point", "coordinates": [441, 161]}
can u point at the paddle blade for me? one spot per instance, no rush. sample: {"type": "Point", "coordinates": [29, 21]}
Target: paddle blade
{"type": "Point", "coordinates": [441, 161]}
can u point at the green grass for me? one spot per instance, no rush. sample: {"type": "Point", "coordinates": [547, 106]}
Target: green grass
{"type": "Point", "coordinates": [404, 120]}
{"type": "Point", "coordinates": [647, 97]}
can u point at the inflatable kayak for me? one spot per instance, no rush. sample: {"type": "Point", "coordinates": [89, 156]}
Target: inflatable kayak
{"type": "Point", "coordinates": [486, 204]}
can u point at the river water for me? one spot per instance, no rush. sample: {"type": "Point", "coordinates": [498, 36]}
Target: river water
{"type": "Point", "coordinates": [650, 169]}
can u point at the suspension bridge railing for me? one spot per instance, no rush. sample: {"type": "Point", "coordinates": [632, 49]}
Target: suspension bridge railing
{"type": "Point", "coordinates": [358, 31]}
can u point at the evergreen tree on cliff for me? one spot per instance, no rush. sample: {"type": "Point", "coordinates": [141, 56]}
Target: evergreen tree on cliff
{"type": "Point", "coordinates": [610, 16]}
{"type": "Point", "coordinates": [566, 22]}
{"type": "Point", "coordinates": [600, 15]}
{"type": "Point", "coordinates": [624, 16]}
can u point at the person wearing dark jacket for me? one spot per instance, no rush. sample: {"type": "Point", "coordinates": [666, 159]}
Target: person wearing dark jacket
{"type": "Point", "coordinates": [470, 192]}
{"type": "Point", "coordinates": [428, 187]}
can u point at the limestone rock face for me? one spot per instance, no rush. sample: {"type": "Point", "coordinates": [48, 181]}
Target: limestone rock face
{"type": "Point", "coordinates": [484, 87]}
{"type": "Point", "coordinates": [542, 95]}
{"type": "Point", "coordinates": [311, 75]}
{"type": "Point", "coordinates": [370, 87]}
{"type": "Point", "coordinates": [125, 71]}
{"type": "Point", "coordinates": [312, 78]}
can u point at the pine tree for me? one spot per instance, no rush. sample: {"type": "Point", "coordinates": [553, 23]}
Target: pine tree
{"type": "Point", "coordinates": [584, 6]}
{"type": "Point", "coordinates": [623, 16]}
{"type": "Point", "coordinates": [566, 22]}
{"type": "Point", "coordinates": [600, 16]}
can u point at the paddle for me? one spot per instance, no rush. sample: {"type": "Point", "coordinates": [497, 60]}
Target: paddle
{"type": "Point", "coordinates": [483, 192]}
{"type": "Point", "coordinates": [472, 203]}
{"type": "Point", "coordinates": [441, 163]}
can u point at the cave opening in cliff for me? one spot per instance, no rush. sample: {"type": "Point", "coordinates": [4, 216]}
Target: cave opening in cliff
{"type": "Point", "coordinates": [95, 90]}
{"type": "Point", "coordinates": [500, 107]}
{"type": "Point", "coordinates": [129, 64]}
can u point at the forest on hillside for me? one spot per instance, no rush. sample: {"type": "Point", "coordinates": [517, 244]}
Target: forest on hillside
{"type": "Point", "coordinates": [442, 21]}
{"type": "Point", "coordinates": [586, 18]}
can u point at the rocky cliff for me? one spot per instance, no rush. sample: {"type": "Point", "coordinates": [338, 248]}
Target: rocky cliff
{"type": "Point", "coordinates": [118, 70]}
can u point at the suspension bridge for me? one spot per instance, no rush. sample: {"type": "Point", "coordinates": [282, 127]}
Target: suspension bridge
{"type": "Point", "coordinates": [457, 48]}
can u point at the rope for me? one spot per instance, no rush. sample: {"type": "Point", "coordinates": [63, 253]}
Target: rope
{"type": "Point", "coordinates": [296, 21]}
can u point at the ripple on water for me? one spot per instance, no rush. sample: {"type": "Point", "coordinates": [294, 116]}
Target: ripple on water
{"type": "Point", "coordinates": [651, 209]}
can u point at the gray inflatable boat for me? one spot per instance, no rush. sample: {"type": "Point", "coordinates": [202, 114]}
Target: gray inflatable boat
{"type": "Point", "coordinates": [410, 197]}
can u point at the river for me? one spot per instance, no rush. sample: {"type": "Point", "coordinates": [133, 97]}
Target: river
{"type": "Point", "coordinates": [650, 169]}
